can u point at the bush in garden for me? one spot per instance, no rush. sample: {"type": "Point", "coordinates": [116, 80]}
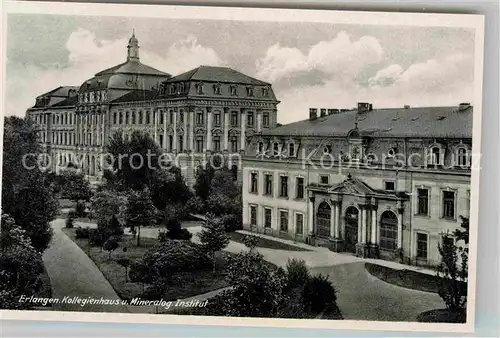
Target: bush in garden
{"type": "Point", "coordinates": [110, 245]}
{"type": "Point", "coordinates": [97, 237]}
{"type": "Point", "coordinates": [125, 262]}
{"type": "Point", "coordinates": [114, 227]}
{"type": "Point", "coordinates": [70, 223]}
{"type": "Point", "coordinates": [139, 273]}
{"type": "Point", "coordinates": [297, 273]}
{"type": "Point", "coordinates": [318, 294]}
{"type": "Point", "coordinates": [171, 257]}
{"type": "Point", "coordinates": [195, 205]}
{"type": "Point", "coordinates": [80, 209]}
{"type": "Point", "coordinates": [82, 232]}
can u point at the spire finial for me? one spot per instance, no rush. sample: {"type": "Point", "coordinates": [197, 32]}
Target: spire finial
{"type": "Point", "coordinates": [133, 47]}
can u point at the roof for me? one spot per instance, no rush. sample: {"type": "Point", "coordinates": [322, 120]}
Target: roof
{"type": "Point", "coordinates": [61, 91]}
{"type": "Point", "coordinates": [389, 122]}
{"type": "Point", "coordinates": [70, 101]}
{"type": "Point", "coordinates": [132, 67]}
{"type": "Point", "coordinates": [216, 74]}
{"type": "Point", "coordinates": [136, 95]}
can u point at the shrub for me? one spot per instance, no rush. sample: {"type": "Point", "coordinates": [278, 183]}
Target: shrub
{"type": "Point", "coordinates": [70, 223]}
{"type": "Point", "coordinates": [171, 256]}
{"type": "Point", "coordinates": [111, 245]}
{"type": "Point", "coordinates": [153, 292]}
{"type": "Point", "coordinates": [139, 273]}
{"type": "Point", "coordinates": [80, 209]}
{"type": "Point", "coordinates": [125, 262]}
{"type": "Point", "coordinates": [250, 241]}
{"type": "Point", "coordinates": [175, 230]}
{"type": "Point", "coordinates": [82, 232]}
{"type": "Point", "coordinates": [98, 236]}
{"type": "Point", "coordinates": [232, 222]}
{"type": "Point", "coordinates": [297, 273]}
{"type": "Point", "coordinates": [195, 205]}
{"type": "Point", "coordinates": [318, 294]}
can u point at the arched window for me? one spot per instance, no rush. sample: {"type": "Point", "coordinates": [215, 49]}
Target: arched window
{"type": "Point", "coordinates": [276, 148]}
{"type": "Point", "coordinates": [388, 231]}
{"type": "Point", "coordinates": [462, 157]}
{"type": "Point", "coordinates": [291, 149]}
{"type": "Point", "coordinates": [261, 147]}
{"type": "Point", "coordinates": [139, 118]}
{"type": "Point", "coordinates": [351, 221]}
{"type": "Point", "coordinates": [133, 117]}
{"type": "Point", "coordinates": [435, 156]}
{"type": "Point", "coordinates": [323, 220]}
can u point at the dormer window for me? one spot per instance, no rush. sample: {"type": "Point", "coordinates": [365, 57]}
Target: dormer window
{"type": "Point", "coordinates": [261, 147]}
{"type": "Point", "coordinates": [435, 156]}
{"type": "Point", "coordinates": [327, 149]}
{"type": "Point", "coordinates": [291, 149]}
{"type": "Point", "coordinates": [233, 90]}
{"type": "Point", "coordinates": [217, 89]}
{"type": "Point", "coordinates": [171, 90]}
{"type": "Point", "coordinates": [199, 88]}
{"type": "Point", "coordinates": [249, 91]}
{"type": "Point", "coordinates": [391, 153]}
{"type": "Point", "coordinates": [265, 92]}
{"type": "Point", "coordinates": [276, 148]}
{"type": "Point", "coordinates": [462, 157]}
{"type": "Point", "coordinates": [181, 88]}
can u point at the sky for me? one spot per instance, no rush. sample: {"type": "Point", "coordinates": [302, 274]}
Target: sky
{"type": "Point", "coordinates": [321, 65]}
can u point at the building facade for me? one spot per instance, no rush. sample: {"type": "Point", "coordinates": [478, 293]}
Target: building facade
{"type": "Point", "coordinates": [383, 183]}
{"type": "Point", "coordinates": [205, 111]}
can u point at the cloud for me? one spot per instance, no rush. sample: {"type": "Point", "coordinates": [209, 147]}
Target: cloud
{"type": "Point", "coordinates": [339, 57]}
{"type": "Point", "coordinates": [446, 81]}
{"type": "Point", "coordinates": [88, 55]}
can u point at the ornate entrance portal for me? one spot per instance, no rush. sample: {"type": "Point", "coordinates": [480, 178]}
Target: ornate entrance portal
{"type": "Point", "coordinates": [323, 220]}
{"type": "Point", "coordinates": [351, 221]}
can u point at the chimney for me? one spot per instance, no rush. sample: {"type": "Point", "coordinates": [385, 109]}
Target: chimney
{"type": "Point", "coordinates": [407, 106]}
{"type": "Point", "coordinates": [313, 114]}
{"type": "Point", "coordinates": [364, 107]}
{"type": "Point", "coordinates": [463, 106]}
{"type": "Point", "coordinates": [322, 112]}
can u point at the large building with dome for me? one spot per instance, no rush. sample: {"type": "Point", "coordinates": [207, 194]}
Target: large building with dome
{"type": "Point", "coordinates": [203, 111]}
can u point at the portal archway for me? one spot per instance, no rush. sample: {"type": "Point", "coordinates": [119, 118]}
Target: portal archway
{"type": "Point", "coordinates": [351, 222]}
{"type": "Point", "coordinates": [323, 218]}
{"type": "Point", "coordinates": [388, 231]}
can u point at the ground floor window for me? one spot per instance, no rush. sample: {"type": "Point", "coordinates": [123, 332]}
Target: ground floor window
{"type": "Point", "coordinates": [388, 231]}
{"type": "Point", "coordinates": [283, 220]}
{"type": "Point", "coordinates": [323, 220]}
{"type": "Point", "coordinates": [299, 224]}
{"type": "Point", "coordinates": [267, 217]}
{"type": "Point", "coordinates": [253, 215]}
{"type": "Point", "coordinates": [422, 246]}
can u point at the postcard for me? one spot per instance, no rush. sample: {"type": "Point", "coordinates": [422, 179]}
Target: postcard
{"type": "Point", "coordinates": [240, 166]}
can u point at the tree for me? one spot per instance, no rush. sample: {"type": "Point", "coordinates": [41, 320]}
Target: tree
{"type": "Point", "coordinates": [453, 269]}
{"type": "Point", "coordinates": [173, 214]}
{"type": "Point", "coordinates": [20, 266]}
{"type": "Point", "coordinates": [169, 187]}
{"type": "Point", "coordinates": [318, 295]}
{"type": "Point", "coordinates": [140, 211]}
{"type": "Point", "coordinates": [256, 288]}
{"type": "Point", "coordinates": [111, 245]}
{"type": "Point", "coordinates": [28, 193]}
{"type": "Point", "coordinates": [75, 186]}
{"type": "Point", "coordinates": [125, 262]}
{"type": "Point", "coordinates": [135, 161]}
{"type": "Point", "coordinates": [213, 236]}
{"type": "Point", "coordinates": [202, 185]}
{"type": "Point", "coordinates": [108, 204]}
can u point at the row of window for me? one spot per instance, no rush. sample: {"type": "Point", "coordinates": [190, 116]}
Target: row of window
{"type": "Point", "coordinates": [434, 155]}
{"type": "Point", "coordinates": [199, 143]}
{"type": "Point", "coordinates": [283, 219]}
{"type": "Point", "coordinates": [91, 97]}
{"type": "Point", "coordinates": [133, 118]}
{"type": "Point", "coordinates": [283, 185]}
{"type": "Point", "coordinates": [448, 203]}
{"type": "Point", "coordinates": [216, 89]}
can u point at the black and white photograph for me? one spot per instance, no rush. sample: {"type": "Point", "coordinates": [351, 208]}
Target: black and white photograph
{"type": "Point", "coordinates": [198, 165]}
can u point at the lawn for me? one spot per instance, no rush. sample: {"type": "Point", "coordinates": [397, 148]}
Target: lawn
{"type": "Point", "coordinates": [266, 243]}
{"type": "Point", "coordinates": [188, 283]}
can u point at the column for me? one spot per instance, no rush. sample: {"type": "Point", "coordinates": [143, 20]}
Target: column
{"type": "Point", "coordinates": [98, 132]}
{"type": "Point", "coordinates": [338, 220]}
{"type": "Point", "coordinates": [92, 115]}
{"type": "Point", "coordinates": [174, 146]}
{"type": "Point", "coordinates": [226, 117]}
{"type": "Point", "coordinates": [311, 215]}
{"type": "Point", "coordinates": [155, 118]}
{"type": "Point", "coordinates": [209, 128]}
{"type": "Point", "coordinates": [259, 120]}
{"type": "Point", "coordinates": [360, 225]}
{"type": "Point", "coordinates": [400, 227]}
{"type": "Point", "coordinates": [332, 220]}
{"type": "Point", "coordinates": [363, 234]}
{"type": "Point", "coordinates": [191, 129]}
{"type": "Point", "coordinates": [243, 126]}
{"type": "Point", "coordinates": [373, 237]}
{"type": "Point", "coordinates": [185, 135]}
{"type": "Point", "coordinates": [103, 128]}
{"type": "Point", "coordinates": [164, 145]}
